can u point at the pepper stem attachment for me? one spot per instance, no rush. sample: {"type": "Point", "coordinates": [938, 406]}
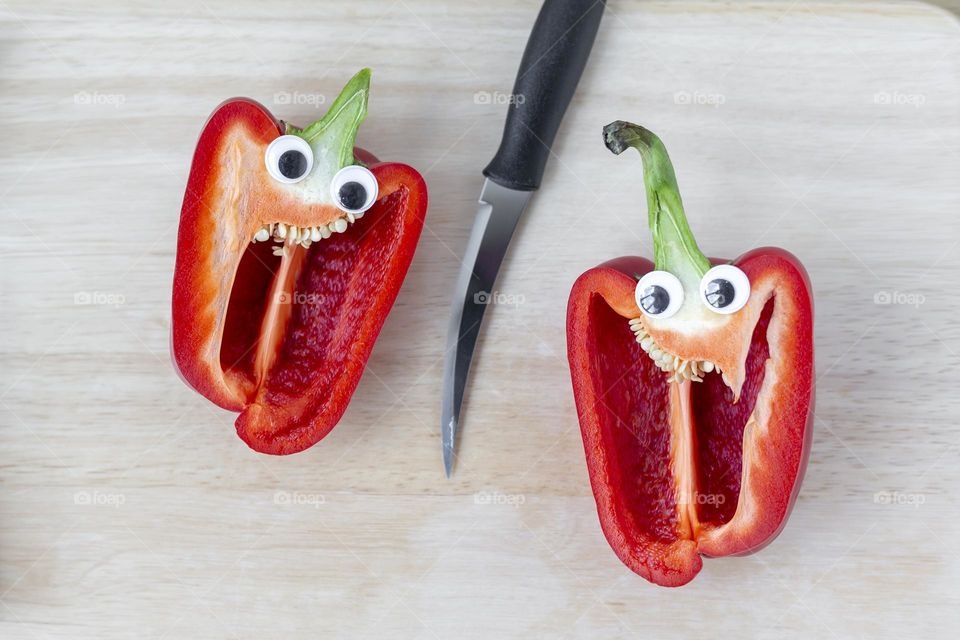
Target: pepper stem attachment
{"type": "Point", "coordinates": [674, 247]}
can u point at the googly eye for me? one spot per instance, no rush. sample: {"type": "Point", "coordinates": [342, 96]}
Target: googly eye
{"type": "Point", "coordinates": [289, 159]}
{"type": "Point", "coordinates": [659, 294]}
{"type": "Point", "coordinates": [354, 189]}
{"type": "Point", "coordinates": [725, 289]}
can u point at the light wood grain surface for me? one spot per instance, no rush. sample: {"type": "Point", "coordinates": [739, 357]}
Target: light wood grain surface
{"type": "Point", "coordinates": [130, 509]}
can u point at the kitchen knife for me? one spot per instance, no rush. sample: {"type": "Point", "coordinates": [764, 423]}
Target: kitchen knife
{"type": "Point", "coordinates": [552, 63]}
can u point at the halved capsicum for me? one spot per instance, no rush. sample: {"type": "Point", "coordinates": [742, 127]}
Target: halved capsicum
{"type": "Point", "coordinates": [694, 386]}
{"type": "Point", "coordinates": [292, 248]}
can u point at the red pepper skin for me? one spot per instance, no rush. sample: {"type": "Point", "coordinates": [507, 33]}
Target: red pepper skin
{"type": "Point", "coordinates": [775, 449]}
{"type": "Point", "coordinates": [321, 358]}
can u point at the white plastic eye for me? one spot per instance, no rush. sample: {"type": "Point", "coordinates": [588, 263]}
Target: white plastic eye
{"type": "Point", "coordinates": [725, 289]}
{"type": "Point", "coordinates": [289, 159]}
{"type": "Point", "coordinates": [659, 294]}
{"type": "Point", "coordinates": [354, 189]}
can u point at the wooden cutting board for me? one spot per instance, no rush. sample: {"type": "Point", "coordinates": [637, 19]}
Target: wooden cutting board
{"type": "Point", "coordinates": [128, 506]}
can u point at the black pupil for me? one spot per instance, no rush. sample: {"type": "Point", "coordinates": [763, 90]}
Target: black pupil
{"type": "Point", "coordinates": [352, 195]}
{"type": "Point", "coordinates": [720, 293]}
{"type": "Point", "coordinates": [292, 164]}
{"type": "Point", "coordinates": [655, 300]}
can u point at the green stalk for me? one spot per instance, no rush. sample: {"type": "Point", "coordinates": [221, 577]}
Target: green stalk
{"type": "Point", "coordinates": [336, 131]}
{"type": "Point", "coordinates": [674, 247]}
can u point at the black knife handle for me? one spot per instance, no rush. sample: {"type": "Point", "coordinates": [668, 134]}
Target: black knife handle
{"type": "Point", "coordinates": [556, 53]}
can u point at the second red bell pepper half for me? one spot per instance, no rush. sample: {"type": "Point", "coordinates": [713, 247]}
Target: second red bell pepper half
{"type": "Point", "coordinates": [694, 386]}
{"type": "Point", "coordinates": [292, 248]}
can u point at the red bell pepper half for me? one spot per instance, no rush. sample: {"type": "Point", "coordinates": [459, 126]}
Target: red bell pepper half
{"type": "Point", "coordinates": [694, 386]}
{"type": "Point", "coordinates": [292, 248]}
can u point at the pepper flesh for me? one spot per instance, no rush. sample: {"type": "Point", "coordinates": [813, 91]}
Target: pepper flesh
{"type": "Point", "coordinates": [681, 470]}
{"type": "Point", "coordinates": [283, 339]}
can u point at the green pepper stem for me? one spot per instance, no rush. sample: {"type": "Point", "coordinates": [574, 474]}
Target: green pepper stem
{"type": "Point", "coordinates": [337, 129]}
{"type": "Point", "coordinates": [674, 247]}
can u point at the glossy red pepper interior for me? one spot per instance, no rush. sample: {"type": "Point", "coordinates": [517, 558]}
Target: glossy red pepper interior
{"type": "Point", "coordinates": [684, 469]}
{"type": "Point", "coordinates": [636, 423]}
{"type": "Point", "coordinates": [719, 424]}
{"type": "Point", "coordinates": [324, 308]}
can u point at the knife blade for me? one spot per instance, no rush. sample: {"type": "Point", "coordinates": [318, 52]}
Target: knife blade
{"type": "Point", "coordinates": [552, 63]}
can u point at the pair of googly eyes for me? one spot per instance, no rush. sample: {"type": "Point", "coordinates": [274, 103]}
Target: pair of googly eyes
{"type": "Point", "coordinates": [289, 160]}
{"type": "Point", "coordinates": [724, 289]}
